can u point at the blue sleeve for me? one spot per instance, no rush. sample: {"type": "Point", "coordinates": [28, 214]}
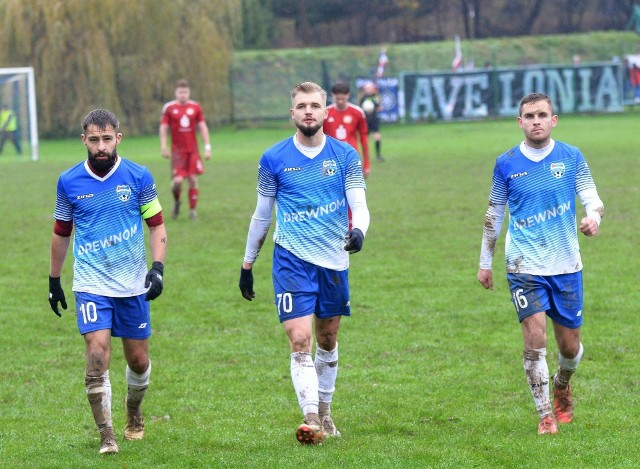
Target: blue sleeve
{"type": "Point", "coordinates": [498, 194]}
{"type": "Point", "coordinates": [584, 180]}
{"type": "Point", "coordinates": [63, 210]}
{"type": "Point", "coordinates": [267, 183]}
{"type": "Point", "coordinates": [148, 190]}
{"type": "Point", "coordinates": [354, 177]}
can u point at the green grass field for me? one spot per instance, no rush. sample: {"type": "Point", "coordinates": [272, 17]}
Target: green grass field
{"type": "Point", "coordinates": [430, 363]}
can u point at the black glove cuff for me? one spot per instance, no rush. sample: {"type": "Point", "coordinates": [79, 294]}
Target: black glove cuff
{"type": "Point", "coordinates": [157, 265]}
{"type": "Point", "coordinates": [54, 282]}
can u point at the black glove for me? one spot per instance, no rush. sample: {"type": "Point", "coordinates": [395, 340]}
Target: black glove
{"type": "Point", "coordinates": [153, 281]}
{"type": "Point", "coordinates": [246, 284]}
{"type": "Point", "coordinates": [56, 294]}
{"type": "Point", "coordinates": [354, 238]}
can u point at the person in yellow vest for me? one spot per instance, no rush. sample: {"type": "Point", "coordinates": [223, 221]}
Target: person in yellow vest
{"type": "Point", "coordinates": [9, 128]}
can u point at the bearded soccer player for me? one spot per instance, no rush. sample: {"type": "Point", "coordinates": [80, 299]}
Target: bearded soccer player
{"type": "Point", "coordinates": [106, 198]}
{"type": "Point", "coordinates": [311, 180]}
{"type": "Point", "coordinates": [539, 180]}
{"type": "Point", "coordinates": [346, 122]}
{"type": "Point", "coordinates": [184, 116]}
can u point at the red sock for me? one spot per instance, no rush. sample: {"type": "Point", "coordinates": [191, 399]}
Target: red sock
{"type": "Point", "coordinates": [193, 198]}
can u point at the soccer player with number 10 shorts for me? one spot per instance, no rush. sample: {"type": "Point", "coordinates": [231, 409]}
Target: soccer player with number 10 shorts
{"type": "Point", "coordinates": [105, 199]}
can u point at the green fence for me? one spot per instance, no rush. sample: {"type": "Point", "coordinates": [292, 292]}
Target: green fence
{"type": "Point", "coordinates": [260, 81]}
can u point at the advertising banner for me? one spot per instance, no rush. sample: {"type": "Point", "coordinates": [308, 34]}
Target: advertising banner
{"type": "Point", "coordinates": [388, 88]}
{"type": "Point", "coordinates": [497, 92]}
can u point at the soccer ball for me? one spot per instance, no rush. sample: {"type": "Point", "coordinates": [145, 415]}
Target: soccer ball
{"type": "Point", "coordinates": [368, 106]}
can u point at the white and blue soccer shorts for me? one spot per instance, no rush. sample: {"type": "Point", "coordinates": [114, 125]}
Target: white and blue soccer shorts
{"type": "Point", "coordinates": [560, 296]}
{"type": "Point", "coordinates": [128, 317]}
{"type": "Point", "coordinates": [302, 288]}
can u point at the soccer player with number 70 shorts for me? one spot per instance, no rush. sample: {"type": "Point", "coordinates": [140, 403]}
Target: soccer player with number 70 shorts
{"type": "Point", "coordinates": [312, 179]}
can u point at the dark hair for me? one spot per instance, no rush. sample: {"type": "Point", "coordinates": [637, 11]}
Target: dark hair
{"type": "Point", "coordinates": [101, 118]}
{"type": "Point", "coordinates": [532, 98]}
{"type": "Point", "coordinates": [182, 83]}
{"type": "Point", "coordinates": [340, 88]}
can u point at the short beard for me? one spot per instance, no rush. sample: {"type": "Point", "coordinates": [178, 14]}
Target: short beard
{"type": "Point", "coordinates": [309, 131]}
{"type": "Point", "coordinates": [100, 165]}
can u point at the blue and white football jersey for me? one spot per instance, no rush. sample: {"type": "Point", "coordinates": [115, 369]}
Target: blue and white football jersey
{"type": "Point", "coordinates": [108, 243]}
{"type": "Point", "coordinates": [541, 197]}
{"type": "Point", "coordinates": [311, 203]}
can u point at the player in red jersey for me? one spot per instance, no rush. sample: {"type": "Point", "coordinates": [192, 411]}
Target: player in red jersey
{"type": "Point", "coordinates": [183, 116]}
{"type": "Point", "coordinates": [345, 121]}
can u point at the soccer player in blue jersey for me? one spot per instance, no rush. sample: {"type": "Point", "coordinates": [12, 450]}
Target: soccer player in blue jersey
{"type": "Point", "coordinates": [538, 180]}
{"type": "Point", "coordinates": [106, 198]}
{"type": "Point", "coordinates": [312, 179]}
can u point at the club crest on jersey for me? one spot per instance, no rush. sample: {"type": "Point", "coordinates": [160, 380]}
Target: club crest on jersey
{"type": "Point", "coordinates": [124, 192]}
{"type": "Point", "coordinates": [557, 170]}
{"type": "Point", "coordinates": [329, 168]}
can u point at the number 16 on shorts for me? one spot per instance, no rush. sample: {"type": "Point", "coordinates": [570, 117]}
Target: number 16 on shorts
{"type": "Point", "coordinates": [519, 300]}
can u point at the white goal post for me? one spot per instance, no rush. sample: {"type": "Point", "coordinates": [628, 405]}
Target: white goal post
{"type": "Point", "coordinates": [18, 95]}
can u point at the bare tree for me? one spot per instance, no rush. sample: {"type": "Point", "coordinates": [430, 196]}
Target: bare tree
{"type": "Point", "coordinates": [570, 16]}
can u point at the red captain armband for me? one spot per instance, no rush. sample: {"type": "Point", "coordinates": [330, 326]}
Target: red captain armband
{"type": "Point", "coordinates": [63, 228]}
{"type": "Point", "coordinates": [155, 220]}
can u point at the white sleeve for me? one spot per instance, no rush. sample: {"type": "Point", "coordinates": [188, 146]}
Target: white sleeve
{"type": "Point", "coordinates": [359, 211]}
{"type": "Point", "coordinates": [258, 228]}
{"type": "Point", "coordinates": [492, 225]}
{"type": "Point", "coordinates": [592, 204]}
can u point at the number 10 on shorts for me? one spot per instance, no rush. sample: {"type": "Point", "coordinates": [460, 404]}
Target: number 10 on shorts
{"type": "Point", "coordinates": [89, 312]}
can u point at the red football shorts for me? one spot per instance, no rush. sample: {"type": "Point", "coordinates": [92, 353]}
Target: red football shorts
{"type": "Point", "coordinates": [186, 164]}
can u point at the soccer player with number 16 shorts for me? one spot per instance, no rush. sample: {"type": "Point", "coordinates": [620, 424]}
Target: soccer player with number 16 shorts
{"type": "Point", "coordinates": [539, 181]}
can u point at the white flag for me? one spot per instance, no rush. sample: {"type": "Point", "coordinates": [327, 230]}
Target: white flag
{"type": "Point", "coordinates": [382, 61]}
{"type": "Point", "coordinates": [457, 60]}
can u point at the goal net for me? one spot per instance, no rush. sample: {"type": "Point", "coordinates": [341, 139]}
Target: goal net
{"type": "Point", "coordinates": [18, 117]}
